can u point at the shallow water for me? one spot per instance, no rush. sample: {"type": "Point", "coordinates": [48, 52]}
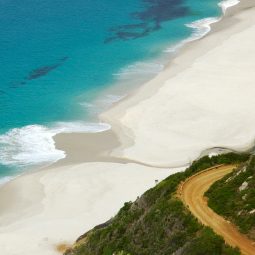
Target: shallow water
{"type": "Point", "coordinates": [60, 57]}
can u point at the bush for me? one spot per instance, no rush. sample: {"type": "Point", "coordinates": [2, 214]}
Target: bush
{"type": "Point", "coordinates": [226, 199]}
{"type": "Point", "coordinates": [158, 222]}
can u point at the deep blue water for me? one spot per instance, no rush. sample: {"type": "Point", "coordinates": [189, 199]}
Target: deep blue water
{"type": "Point", "coordinates": [59, 57]}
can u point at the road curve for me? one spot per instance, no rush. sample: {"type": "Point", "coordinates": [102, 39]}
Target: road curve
{"type": "Point", "coordinates": [192, 194]}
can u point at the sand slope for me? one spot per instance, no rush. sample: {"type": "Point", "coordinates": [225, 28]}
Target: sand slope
{"type": "Point", "coordinates": [56, 206]}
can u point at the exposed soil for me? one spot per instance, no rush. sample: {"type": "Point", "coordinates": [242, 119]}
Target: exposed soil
{"type": "Point", "coordinates": [192, 193]}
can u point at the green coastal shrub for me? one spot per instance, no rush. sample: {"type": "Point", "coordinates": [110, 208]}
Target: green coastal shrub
{"type": "Point", "coordinates": [159, 223]}
{"type": "Point", "coordinates": [227, 200]}
{"type": "Point", "coordinates": [208, 243]}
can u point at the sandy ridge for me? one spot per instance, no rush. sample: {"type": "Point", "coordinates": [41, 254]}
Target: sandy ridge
{"type": "Point", "coordinates": [192, 193]}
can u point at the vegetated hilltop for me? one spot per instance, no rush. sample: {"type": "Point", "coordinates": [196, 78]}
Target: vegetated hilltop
{"type": "Point", "coordinates": [234, 197]}
{"type": "Point", "coordinates": [158, 222]}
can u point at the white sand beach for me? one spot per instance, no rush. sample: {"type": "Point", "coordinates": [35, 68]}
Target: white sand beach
{"type": "Point", "coordinates": [198, 104]}
{"type": "Point", "coordinates": [53, 207]}
{"type": "Point", "coordinates": [203, 99]}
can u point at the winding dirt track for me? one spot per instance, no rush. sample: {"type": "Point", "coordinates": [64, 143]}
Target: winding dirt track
{"type": "Point", "coordinates": [193, 195]}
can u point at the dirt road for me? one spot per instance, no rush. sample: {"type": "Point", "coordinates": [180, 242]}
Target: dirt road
{"type": "Point", "coordinates": [192, 193]}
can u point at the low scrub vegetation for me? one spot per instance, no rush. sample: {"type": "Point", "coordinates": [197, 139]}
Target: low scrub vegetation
{"type": "Point", "coordinates": [159, 223]}
{"type": "Point", "coordinates": [234, 197]}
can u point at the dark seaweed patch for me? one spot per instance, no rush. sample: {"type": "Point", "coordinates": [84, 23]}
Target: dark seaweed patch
{"type": "Point", "coordinates": [35, 74]}
{"type": "Point", "coordinates": [156, 12]}
{"type": "Point", "coordinates": [64, 59]}
{"type": "Point", "coordinates": [39, 72]}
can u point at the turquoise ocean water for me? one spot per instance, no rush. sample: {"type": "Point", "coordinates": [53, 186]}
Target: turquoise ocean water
{"type": "Point", "coordinates": [63, 62]}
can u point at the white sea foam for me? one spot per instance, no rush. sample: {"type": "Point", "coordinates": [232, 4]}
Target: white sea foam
{"type": "Point", "coordinates": [140, 70]}
{"type": "Point", "coordinates": [226, 4]}
{"type": "Point", "coordinates": [80, 126]}
{"type": "Point", "coordinates": [33, 145]}
{"type": "Point", "coordinates": [102, 103]}
{"type": "Point", "coordinates": [29, 145]}
{"type": "Point", "coordinates": [129, 78]}
{"type": "Point", "coordinates": [202, 27]}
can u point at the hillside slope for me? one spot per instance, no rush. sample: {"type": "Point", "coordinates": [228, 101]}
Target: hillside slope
{"type": "Point", "coordinates": [193, 195]}
{"type": "Point", "coordinates": [233, 197]}
{"type": "Point", "coordinates": [158, 222]}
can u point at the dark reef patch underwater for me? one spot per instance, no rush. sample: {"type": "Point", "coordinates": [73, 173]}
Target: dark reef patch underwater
{"type": "Point", "coordinates": [57, 70]}
{"type": "Point", "coordinates": [39, 72]}
{"type": "Point", "coordinates": [155, 12]}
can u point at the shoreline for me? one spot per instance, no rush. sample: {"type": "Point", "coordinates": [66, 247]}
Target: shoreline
{"type": "Point", "coordinates": [58, 203]}
{"type": "Point", "coordinates": [126, 111]}
{"type": "Point", "coordinates": [129, 100]}
{"type": "Point", "coordinates": [108, 116]}
{"type": "Point", "coordinates": [80, 128]}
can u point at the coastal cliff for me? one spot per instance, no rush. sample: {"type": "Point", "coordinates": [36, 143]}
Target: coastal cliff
{"type": "Point", "coordinates": [158, 222]}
